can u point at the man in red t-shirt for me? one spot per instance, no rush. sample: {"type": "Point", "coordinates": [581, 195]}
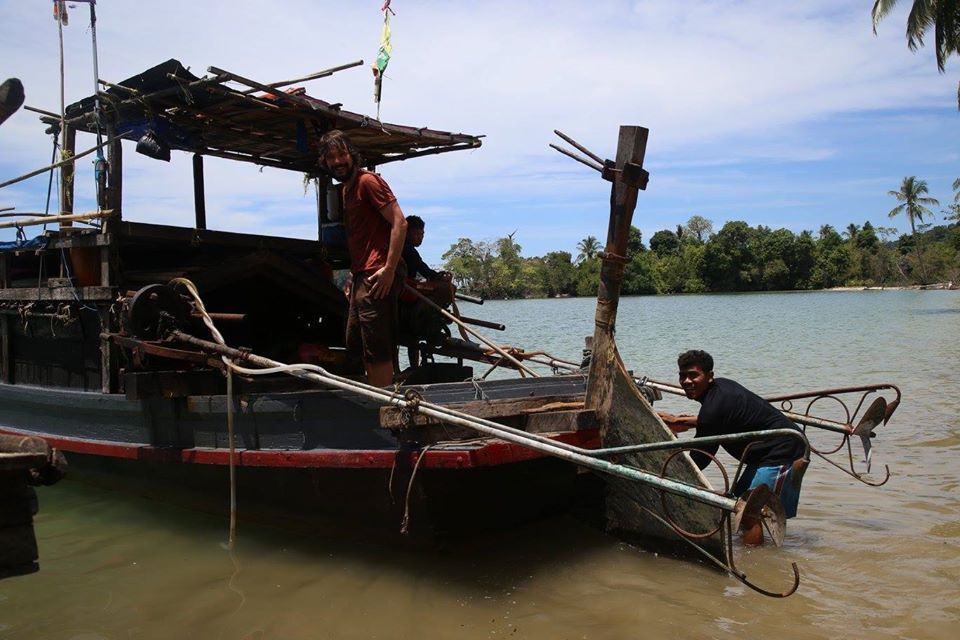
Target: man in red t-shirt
{"type": "Point", "coordinates": [376, 230]}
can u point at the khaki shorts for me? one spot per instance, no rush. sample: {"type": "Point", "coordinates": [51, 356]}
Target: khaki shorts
{"type": "Point", "coordinates": [372, 323]}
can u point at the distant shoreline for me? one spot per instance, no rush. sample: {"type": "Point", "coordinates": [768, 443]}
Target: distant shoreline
{"type": "Point", "coordinates": [936, 286]}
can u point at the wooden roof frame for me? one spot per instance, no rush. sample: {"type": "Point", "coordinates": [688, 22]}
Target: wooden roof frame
{"type": "Point", "coordinates": [261, 124]}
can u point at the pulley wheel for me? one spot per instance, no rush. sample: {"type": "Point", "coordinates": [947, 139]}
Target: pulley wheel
{"type": "Point", "coordinates": [155, 309]}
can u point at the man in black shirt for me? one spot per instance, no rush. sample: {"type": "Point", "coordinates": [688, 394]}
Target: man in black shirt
{"type": "Point", "coordinates": [727, 407]}
{"type": "Point", "coordinates": [415, 264]}
{"type": "Point", "coordinates": [417, 319]}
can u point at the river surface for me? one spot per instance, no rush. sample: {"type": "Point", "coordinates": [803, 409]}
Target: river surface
{"type": "Point", "coordinates": [875, 562]}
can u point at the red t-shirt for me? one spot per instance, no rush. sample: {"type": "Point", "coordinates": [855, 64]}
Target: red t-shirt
{"type": "Point", "coordinates": [368, 232]}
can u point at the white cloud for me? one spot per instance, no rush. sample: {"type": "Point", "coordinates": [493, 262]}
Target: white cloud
{"type": "Point", "coordinates": [725, 87]}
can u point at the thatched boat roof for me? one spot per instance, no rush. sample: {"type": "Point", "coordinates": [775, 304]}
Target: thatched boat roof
{"type": "Point", "coordinates": [258, 124]}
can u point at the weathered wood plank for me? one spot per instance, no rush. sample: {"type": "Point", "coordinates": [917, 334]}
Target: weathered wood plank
{"type": "Point", "coordinates": [390, 417]}
{"type": "Point", "coordinates": [44, 294]}
{"type": "Point", "coordinates": [563, 420]}
{"type": "Point", "coordinates": [80, 240]}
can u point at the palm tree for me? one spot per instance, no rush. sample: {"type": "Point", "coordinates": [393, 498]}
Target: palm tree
{"type": "Point", "coordinates": [852, 231]}
{"type": "Point", "coordinates": [953, 210]}
{"type": "Point", "coordinates": [911, 195]}
{"type": "Point", "coordinates": [589, 247]}
{"type": "Point", "coordinates": [942, 15]}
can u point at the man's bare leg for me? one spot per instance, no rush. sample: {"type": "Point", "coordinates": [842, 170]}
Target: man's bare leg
{"type": "Point", "coordinates": [752, 531]}
{"type": "Point", "coordinates": [380, 374]}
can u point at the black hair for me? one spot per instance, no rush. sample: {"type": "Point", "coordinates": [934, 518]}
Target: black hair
{"type": "Point", "coordinates": [415, 222]}
{"type": "Point", "coordinates": [695, 358]}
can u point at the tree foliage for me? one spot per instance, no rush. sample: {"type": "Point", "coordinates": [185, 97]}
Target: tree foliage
{"type": "Point", "coordinates": [736, 258]}
{"type": "Point", "coordinates": [943, 16]}
{"type": "Point", "coordinates": [911, 195]}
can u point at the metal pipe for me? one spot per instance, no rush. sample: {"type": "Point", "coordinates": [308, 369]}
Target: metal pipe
{"type": "Point", "coordinates": [483, 323]}
{"type": "Point", "coordinates": [466, 298]}
{"type": "Point", "coordinates": [483, 426]}
{"type": "Point", "coordinates": [820, 423]}
{"type": "Point", "coordinates": [811, 421]}
{"type": "Point", "coordinates": [764, 434]}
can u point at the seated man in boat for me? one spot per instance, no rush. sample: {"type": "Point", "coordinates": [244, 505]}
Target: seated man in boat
{"type": "Point", "coordinates": [376, 230]}
{"type": "Point", "coordinates": [728, 407]}
{"type": "Point", "coordinates": [418, 320]}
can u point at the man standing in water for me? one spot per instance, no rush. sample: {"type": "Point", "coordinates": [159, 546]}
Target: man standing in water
{"type": "Point", "coordinates": [728, 407]}
{"type": "Point", "coordinates": [376, 230]}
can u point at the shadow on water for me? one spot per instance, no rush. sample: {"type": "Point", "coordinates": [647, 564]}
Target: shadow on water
{"type": "Point", "coordinates": [478, 554]}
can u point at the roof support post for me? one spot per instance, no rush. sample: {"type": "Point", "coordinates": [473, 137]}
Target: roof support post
{"type": "Point", "coordinates": [114, 175]}
{"type": "Point", "coordinates": [67, 172]}
{"type": "Point", "coordinates": [199, 197]}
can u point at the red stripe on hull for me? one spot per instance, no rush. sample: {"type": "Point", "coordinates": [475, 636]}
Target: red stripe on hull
{"type": "Point", "coordinates": [493, 453]}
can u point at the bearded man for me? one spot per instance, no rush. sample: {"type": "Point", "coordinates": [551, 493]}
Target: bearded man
{"type": "Point", "coordinates": [376, 230]}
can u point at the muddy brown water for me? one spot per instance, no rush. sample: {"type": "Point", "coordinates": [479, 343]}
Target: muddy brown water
{"type": "Point", "coordinates": [875, 562]}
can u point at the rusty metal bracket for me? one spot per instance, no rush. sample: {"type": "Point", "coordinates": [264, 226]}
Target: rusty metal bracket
{"type": "Point", "coordinates": [632, 174]}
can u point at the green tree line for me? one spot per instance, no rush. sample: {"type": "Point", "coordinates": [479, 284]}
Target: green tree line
{"type": "Point", "coordinates": [694, 259]}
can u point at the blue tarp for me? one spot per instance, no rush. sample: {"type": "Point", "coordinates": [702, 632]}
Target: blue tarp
{"type": "Point", "coordinates": [39, 242]}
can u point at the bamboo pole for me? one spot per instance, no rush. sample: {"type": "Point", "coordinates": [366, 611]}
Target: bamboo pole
{"type": "Point", "coordinates": [257, 86]}
{"type": "Point", "coordinates": [313, 76]}
{"type": "Point", "coordinates": [49, 114]}
{"type": "Point", "coordinates": [90, 215]}
{"type": "Point", "coordinates": [67, 161]}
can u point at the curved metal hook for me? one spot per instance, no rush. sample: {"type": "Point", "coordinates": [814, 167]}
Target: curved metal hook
{"type": "Point", "coordinates": [854, 474]}
{"type": "Point", "coordinates": [874, 484]}
{"type": "Point", "coordinates": [729, 566]}
{"type": "Point", "coordinates": [663, 496]}
{"type": "Point", "coordinates": [742, 577]}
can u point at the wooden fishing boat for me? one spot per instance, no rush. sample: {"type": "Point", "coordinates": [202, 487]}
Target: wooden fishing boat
{"type": "Point", "coordinates": [106, 350]}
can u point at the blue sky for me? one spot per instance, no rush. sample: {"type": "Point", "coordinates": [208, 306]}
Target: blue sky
{"type": "Point", "coordinates": [776, 114]}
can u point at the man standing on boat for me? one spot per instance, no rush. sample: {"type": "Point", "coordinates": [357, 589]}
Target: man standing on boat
{"type": "Point", "coordinates": [727, 407]}
{"type": "Point", "coordinates": [376, 230]}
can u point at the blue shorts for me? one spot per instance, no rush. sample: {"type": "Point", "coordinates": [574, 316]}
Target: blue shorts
{"type": "Point", "coordinates": [780, 479]}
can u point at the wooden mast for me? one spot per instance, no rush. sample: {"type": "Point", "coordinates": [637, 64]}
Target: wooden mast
{"type": "Point", "coordinates": [628, 178]}
{"type": "Point", "coordinates": [624, 416]}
